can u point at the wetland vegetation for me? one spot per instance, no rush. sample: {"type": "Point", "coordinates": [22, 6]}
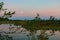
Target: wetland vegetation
{"type": "Point", "coordinates": [31, 25]}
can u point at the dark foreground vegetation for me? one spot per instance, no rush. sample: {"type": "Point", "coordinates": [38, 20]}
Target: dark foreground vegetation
{"type": "Point", "coordinates": [33, 24]}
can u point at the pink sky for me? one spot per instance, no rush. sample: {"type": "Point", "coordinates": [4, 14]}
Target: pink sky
{"type": "Point", "coordinates": [29, 8]}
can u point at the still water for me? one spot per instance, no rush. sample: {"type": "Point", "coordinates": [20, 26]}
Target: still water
{"type": "Point", "coordinates": [20, 33]}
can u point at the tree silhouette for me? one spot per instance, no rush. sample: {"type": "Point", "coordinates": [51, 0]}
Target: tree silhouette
{"type": "Point", "coordinates": [52, 18]}
{"type": "Point", "coordinates": [1, 6]}
{"type": "Point", "coordinates": [8, 14]}
{"type": "Point", "coordinates": [37, 17]}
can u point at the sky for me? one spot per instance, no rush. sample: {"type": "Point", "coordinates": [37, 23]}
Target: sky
{"type": "Point", "coordinates": [27, 9]}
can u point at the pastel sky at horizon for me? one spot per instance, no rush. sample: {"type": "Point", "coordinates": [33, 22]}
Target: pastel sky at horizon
{"type": "Point", "coordinates": [29, 8]}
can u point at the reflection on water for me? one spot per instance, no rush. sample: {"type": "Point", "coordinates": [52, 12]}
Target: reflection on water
{"type": "Point", "coordinates": [13, 32]}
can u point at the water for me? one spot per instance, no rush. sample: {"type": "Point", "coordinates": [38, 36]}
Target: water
{"type": "Point", "coordinates": [20, 33]}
